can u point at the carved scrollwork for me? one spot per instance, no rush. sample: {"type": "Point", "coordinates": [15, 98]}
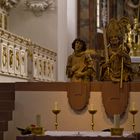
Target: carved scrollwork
{"type": "Point", "coordinates": [8, 4]}
{"type": "Point", "coordinates": [39, 6]}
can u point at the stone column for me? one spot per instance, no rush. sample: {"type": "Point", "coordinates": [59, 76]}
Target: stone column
{"type": "Point", "coordinates": [67, 32]}
{"type": "Point", "coordinates": [3, 19]}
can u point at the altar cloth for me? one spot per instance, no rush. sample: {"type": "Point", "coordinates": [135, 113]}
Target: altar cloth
{"type": "Point", "coordinates": [84, 133]}
{"type": "Point", "coordinates": [77, 135]}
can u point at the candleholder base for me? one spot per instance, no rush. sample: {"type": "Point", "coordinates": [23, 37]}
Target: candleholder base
{"type": "Point", "coordinates": [133, 112]}
{"type": "Point", "coordinates": [56, 112]}
{"type": "Point", "coordinates": [117, 131]}
{"type": "Point", "coordinates": [38, 131]}
{"type": "Point", "coordinates": [92, 112]}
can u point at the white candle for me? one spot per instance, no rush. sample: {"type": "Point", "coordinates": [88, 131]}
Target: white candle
{"type": "Point", "coordinates": [133, 107]}
{"type": "Point", "coordinates": [91, 107]}
{"type": "Point", "coordinates": [38, 119]}
{"type": "Point", "coordinates": [55, 106]}
{"type": "Point", "coordinates": [116, 120]}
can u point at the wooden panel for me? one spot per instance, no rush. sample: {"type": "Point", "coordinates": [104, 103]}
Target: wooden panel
{"type": "Point", "coordinates": [47, 86]}
{"type": "Point", "coordinates": [3, 126]}
{"type": "Point", "coordinates": [135, 86]}
{"type": "Point", "coordinates": [5, 115]}
{"type": "Point", "coordinates": [7, 95]}
{"type": "Point", "coordinates": [78, 95]}
{"type": "Point", "coordinates": [1, 136]}
{"type": "Point", "coordinates": [7, 105]}
{"type": "Point", "coordinates": [41, 86]}
{"type": "Point", "coordinates": [63, 86]}
{"type": "Point", "coordinates": [114, 98]}
{"type": "Point", "coordinates": [7, 86]}
{"type": "Point", "coordinates": [96, 86]}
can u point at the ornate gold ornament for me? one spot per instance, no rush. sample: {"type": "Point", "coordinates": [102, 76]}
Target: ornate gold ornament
{"type": "Point", "coordinates": [39, 6]}
{"type": "Point", "coordinates": [0, 20]}
{"type": "Point", "coordinates": [8, 4]}
{"type": "Point", "coordinates": [35, 65]}
{"type": "Point", "coordinates": [11, 58]}
{"type": "Point", "coordinates": [4, 56]}
{"type": "Point", "coordinates": [23, 61]}
{"type": "Point", "coordinates": [11, 63]}
{"type": "Point", "coordinates": [17, 60]}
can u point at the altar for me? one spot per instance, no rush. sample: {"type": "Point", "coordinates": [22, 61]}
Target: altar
{"type": "Point", "coordinates": [78, 135]}
{"type": "Point", "coordinates": [33, 98]}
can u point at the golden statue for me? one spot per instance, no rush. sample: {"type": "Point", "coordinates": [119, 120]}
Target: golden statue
{"type": "Point", "coordinates": [117, 67]}
{"type": "Point", "coordinates": [80, 63]}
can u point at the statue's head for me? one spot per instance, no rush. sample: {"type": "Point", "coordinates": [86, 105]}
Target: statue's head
{"type": "Point", "coordinates": [79, 42]}
{"type": "Point", "coordinates": [114, 33]}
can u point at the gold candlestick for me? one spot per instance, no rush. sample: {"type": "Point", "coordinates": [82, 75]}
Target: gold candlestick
{"type": "Point", "coordinates": [56, 112]}
{"type": "Point", "coordinates": [92, 112]}
{"type": "Point", "coordinates": [133, 112]}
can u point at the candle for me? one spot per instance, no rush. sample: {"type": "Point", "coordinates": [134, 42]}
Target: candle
{"type": "Point", "coordinates": [55, 106]}
{"type": "Point", "coordinates": [133, 107]}
{"type": "Point", "coordinates": [91, 107]}
{"type": "Point", "coordinates": [116, 120]}
{"type": "Point", "coordinates": [38, 120]}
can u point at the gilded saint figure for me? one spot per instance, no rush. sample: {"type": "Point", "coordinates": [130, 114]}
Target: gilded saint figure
{"type": "Point", "coordinates": [80, 63]}
{"type": "Point", "coordinates": [118, 65]}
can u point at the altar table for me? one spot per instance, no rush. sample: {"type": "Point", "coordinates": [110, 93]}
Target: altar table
{"type": "Point", "coordinates": [77, 135]}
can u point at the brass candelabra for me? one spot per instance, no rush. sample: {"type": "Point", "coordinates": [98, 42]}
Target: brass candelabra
{"type": "Point", "coordinates": [56, 112]}
{"type": "Point", "coordinates": [133, 112]}
{"type": "Point", "coordinates": [92, 112]}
